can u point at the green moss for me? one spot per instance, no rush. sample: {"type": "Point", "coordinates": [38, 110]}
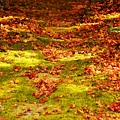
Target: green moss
{"type": "Point", "coordinates": [16, 89]}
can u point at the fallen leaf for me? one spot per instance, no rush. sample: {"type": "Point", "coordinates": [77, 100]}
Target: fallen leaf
{"type": "Point", "coordinates": [57, 110]}
{"type": "Point", "coordinates": [99, 103]}
{"type": "Point", "coordinates": [56, 98]}
{"type": "Point", "coordinates": [1, 73]}
{"type": "Point", "coordinates": [73, 106]}
{"type": "Point", "coordinates": [16, 68]}
{"type": "Point", "coordinates": [73, 68]}
{"type": "Point", "coordinates": [44, 99]}
{"type": "Point", "coordinates": [2, 118]}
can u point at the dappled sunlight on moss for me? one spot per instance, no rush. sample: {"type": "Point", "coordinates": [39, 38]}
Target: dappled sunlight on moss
{"type": "Point", "coordinates": [109, 16]}
{"type": "Point", "coordinates": [62, 29]}
{"type": "Point", "coordinates": [24, 58]}
{"type": "Point", "coordinates": [11, 17]}
{"type": "Point", "coordinates": [71, 28]}
{"type": "Point", "coordinates": [77, 57]}
{"type": "Point", "coordinates": [5, 18]}
{"type": "Point", "coordinates": [27, 61]}
{"type": "Point", "coordinates": [76, 88]}
{"type": "Point", "coordinates": [3, 64]}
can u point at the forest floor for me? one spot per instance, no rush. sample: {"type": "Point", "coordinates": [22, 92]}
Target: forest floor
{"type": "Point", "coordinates": [60, 60]}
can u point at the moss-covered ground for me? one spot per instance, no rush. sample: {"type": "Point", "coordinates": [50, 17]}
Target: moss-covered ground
{"type": "Point", "coordinates": [59, 60]}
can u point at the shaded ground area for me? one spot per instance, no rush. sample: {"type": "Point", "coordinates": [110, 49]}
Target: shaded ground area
{"type": "Point", "coordinates": [60, 60]}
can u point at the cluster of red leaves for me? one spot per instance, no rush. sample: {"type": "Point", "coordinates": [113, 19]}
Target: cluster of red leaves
{"type": "Point", "coordinates": [111, 85]}
{"type": "Point", "coordinates": [106, 8]}
{"type": "Point", "coordinates": [106, 48]}
{"type": "Point", "coordinates": [4, 48]}
{"type": "Point", "coordinates": [73, 43]}
{"type": "Point", "coordinates": [57, 70]}
{"type": "Point", "coordinates": [60, 35]}
{"type": "Point", "coordinates": [34, 27]}
{"type": "Point", "coordinates": [30, 74]}
{"type": "Point", "coordinates": [95, 115]}
{"type": "Point", "coordinates": [55, 52]}
{"type": "Point", "coordinates": [56, 110]}
{"type": "Point", "coordinates": [110, 62]}
{"type": "Point", "coordinates": [33, 73]}
{"type": "Point", "coordinates": [81, 10]}
{"type": "Point", "coordinates": [45, 88]}
{"type": "Point", "coordinates": [89, 70]}
{"type": "Point", "coordinates": [106, 53]}
{"type": "Point", "coordinates": [115, 106]}
{"type": "Point", "coordinates": [2, 118]}
{"type": "Point", "coordinates": [12, 24]}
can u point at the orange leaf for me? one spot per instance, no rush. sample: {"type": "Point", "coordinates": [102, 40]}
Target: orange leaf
{"type": "Point", "coordinates": [2, 118]}
{"type": "Point", "coordinates": [73, 68]}
{"type": "Point", "coordinates": [44, 99]}
{"type": "Point", "coordinates": [1, 73]}
{"type": "Point", "coordinates": [73, 106]}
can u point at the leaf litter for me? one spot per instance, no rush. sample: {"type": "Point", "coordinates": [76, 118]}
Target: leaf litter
{"type": "Point", "coordinates": [94, 39]}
